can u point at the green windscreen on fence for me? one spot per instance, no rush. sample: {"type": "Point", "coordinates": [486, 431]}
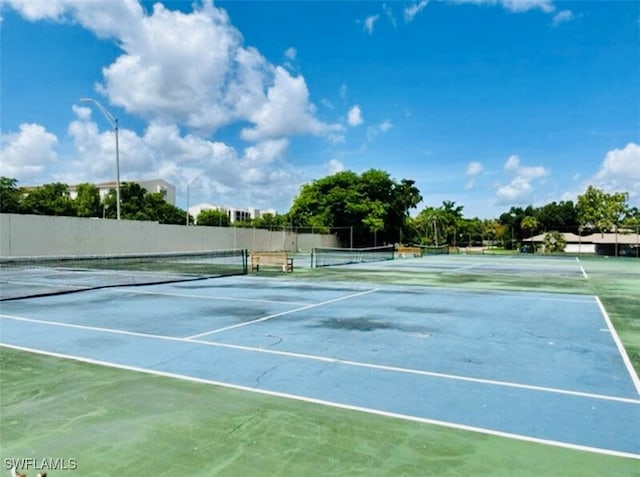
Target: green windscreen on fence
{"type": "Point", "coordinates": [330, 256]}
{"type": "Point", "coordinates": [23, 277]}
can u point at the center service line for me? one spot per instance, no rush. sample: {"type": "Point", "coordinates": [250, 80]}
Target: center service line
{"type": "Point", "coordinates": [288, 312]}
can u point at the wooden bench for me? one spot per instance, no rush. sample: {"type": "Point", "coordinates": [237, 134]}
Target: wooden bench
{"type": "Point", "coordinates": [271, 259]}
{"type": "Point", "coordinates": [408, 251]}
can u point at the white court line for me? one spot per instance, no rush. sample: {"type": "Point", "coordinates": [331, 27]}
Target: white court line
{"type": "Point", "coordinates": [620, 346]}
{"type": "Point", "coordinates": [584, 273]}
{"type": "Point", "coordinates": [203, 297]}
{"type": "Point", "coordinates": [453, 377]}
{"type": "Point", "coordinates": [337, 405]}
{"type": "Point", "coordinates": [466, 267]}
{"type": "Point", "coordinates": [275, 315]}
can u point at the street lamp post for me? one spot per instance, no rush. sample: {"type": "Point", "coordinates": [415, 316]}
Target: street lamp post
{"type": "Point", "coordinates": [188, 187]}
{"type": "Point", "coordinates": [114, 124]}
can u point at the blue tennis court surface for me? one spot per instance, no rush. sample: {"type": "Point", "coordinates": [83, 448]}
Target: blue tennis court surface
{"type": "Point", "coordinates": [533, 366]}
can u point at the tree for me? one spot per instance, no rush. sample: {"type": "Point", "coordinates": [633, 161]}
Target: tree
{"type": "Point", "coordinates": [371, 203]}
{"type": "Point", "coordinates": [512, 221]}
{"type": "Point", "coordinates": [270, 221]}
{"type": "Point", "coordinates": [600, 211]}
{"type": "Point", "coordinates": [530, 224]}
{"type": "Point", "coordinates": [157, 209]}
{"type": "Point", "coordinates": [554, 242]}
{"type": "Point", "coordinates": [10, 196]}
{"type": "Point", "coordinates": [426, 223]}
{"type": "Point", "coordinates": [212, 217]}
{"type": "Point", "coordinates": [131, 201]}
{"type": "Point", "coordinates": [558, 216]}
{"type": "Point", "coordinates": [138, 204]}
{"type": "Point", "coordinates": [87, 201]}
{"type": "Point", "coordinates": [441, 225]}
{"type": "Point", "coordinates": [49, 199]}
{"type": "Point", "coordinates": [493, 230]}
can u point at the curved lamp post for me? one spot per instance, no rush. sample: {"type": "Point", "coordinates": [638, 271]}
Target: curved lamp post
{"type": "Point", "coordinates": [114, 124]}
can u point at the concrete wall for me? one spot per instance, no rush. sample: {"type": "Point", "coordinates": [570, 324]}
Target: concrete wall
{"type": "Point", "coordinates": [29, 235]}
{"type": "Point", "coordinates": [580, 248]}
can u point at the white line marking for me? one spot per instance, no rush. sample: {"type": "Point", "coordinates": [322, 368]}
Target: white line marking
{"type": "Point", "coordinates": [621, 350]}
{"type": "Point", "coordinates": [90, 328]}
{"type": "Point", "coordinates": [275, 315]}
{"type": "Point", "coordinates": [584, 274]}
{"type": "Point", "coordinates": [432, 374]}
{"type": "Point", "coordinates": [38, 284]}
{"type": "Point", "coordinates": [466, 267]}
{"type": "Point", "coordinates": [336, 405]}
{"type": "Point", "coordinates": [203, 297]}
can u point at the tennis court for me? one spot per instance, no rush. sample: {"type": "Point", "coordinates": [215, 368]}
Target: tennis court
{"type": "Point", "coordinates": [532, 366]}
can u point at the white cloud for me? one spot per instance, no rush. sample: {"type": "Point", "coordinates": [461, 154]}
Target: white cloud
{"type": "Point", "coordinates": [334, 166]}
{"type": "Point", "coordinates": [516, 192]}
{"type": "Point", "coordinates": [513, 167]}
{"type": "Point", "coordinates": [520, 190]}
{"type": "Point", "coordinates": [412, 10]}
{"type": "Point", "coordinates": [286, 111]}
{"type": "Point", "coordinates": [258, 176]}
{"type": "Point", "coordinates": [369, 23]}
{"type": "Point", "coordinates": [355, 116]}
{"type": "Point", "coordinates": [385, 125]}
{"type": "Point", "coordinates": [388, 11]}
{"type": "Point", "coordinates": [26, 154]}
{"type": "Point", "coordinates": [343, 91]}
{"type": "Point", "coordinates": [191, 69]}
{"type": "Point", "coordinates": [516, 6]}
{"type": "Point", "coordinates": [326, 103]}
{"type": "Point", "coordinates": [474, 168]}
{"type": "Point", "coordinates": [562, 16]}
{"type": "Point", "coordinates": [526, 5]}
{"type": "Point", "coordinates": [38, 10]}
{"type": "Point", "coordinates": [620, 171]}
{"type": "Point", "coordinates": [291, 53]}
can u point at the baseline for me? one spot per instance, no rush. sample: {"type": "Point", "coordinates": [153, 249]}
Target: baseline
{"type": "Point", "coordinates": [337, 405]}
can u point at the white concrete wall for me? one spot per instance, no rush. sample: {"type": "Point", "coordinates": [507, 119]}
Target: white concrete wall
{"type": "Point", "coordinates": [580, 248]}
{"type": "Point", "coordinates": [29, 235]}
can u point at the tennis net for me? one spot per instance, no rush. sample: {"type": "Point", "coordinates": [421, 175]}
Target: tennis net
{"type": "Point", "coordinates": [433, 249]}
{"type": "Point", "coordinates": [25, 277]}
{"type": "Point", "coordinates": [330, 256]}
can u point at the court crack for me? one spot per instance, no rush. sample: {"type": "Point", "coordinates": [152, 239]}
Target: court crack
{"type": "Point", "coordinates": [279, 338]}
{"type": "Point", "coordinates": [263, 374]}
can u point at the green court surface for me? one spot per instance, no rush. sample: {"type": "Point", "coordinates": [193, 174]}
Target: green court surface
{"type": "Point", "coordinates": [108, 421]}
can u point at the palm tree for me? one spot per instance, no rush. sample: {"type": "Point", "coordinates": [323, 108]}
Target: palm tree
{"type": "Point", "coordinates": [530, 224]}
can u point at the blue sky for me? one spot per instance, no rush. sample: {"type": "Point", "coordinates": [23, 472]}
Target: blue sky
{"type": "Point", "coordinates": [487, 103]}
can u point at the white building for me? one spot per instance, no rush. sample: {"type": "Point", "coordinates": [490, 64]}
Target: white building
{"type": "Point", "coordinates": [167, 190]}
{"type": "Point", "coordinates": [607, 243]}
{"type": "Point", "coordinates": [235, 214]}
